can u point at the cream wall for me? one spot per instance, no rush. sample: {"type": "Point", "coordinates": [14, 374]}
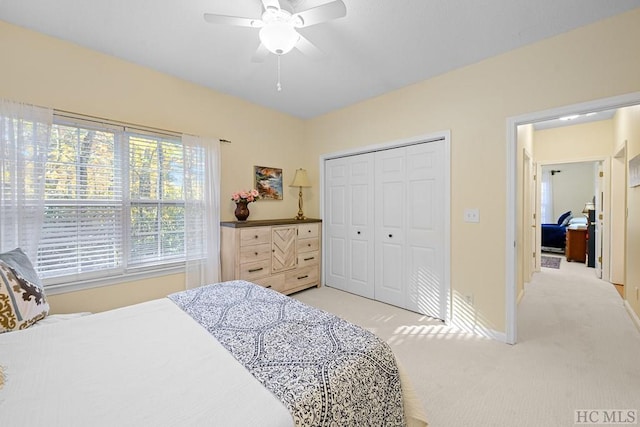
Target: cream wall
{"type": "Point", "coordinates": [586, 141]}
{"type": "Point", "coordinates": [474, 102]}
{"type": "Point", "coordinates": [49, 72]}
{"type": "Point", "coordinates": [114, 296]}
{"type": "Point", "coordinates": [573, 187]}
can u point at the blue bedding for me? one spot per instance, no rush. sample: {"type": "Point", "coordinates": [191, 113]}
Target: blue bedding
{"type": "Point", "coordinates": [554, 235]}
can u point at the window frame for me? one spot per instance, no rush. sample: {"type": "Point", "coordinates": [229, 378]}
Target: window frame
{"type": "Point", "coordinates": [128, 271]}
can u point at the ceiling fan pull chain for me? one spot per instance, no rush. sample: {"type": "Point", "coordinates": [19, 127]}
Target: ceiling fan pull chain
{"type": "Point", "coordinates": [279, 86]}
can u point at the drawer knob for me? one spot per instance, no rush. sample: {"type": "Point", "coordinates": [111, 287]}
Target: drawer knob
{"type": "Point", "coordinates": [309, 259]}
{"type": "Point", "coordinates": [303, 277]}
{"type": "Point", "coordinates": [256, 253]}
{"type": "Point", "coordinates": [309, 244]}
{"type": "Point", "coordinates": [255, 237]}
{"type": "Point", "coordinates": [253, 270]}
{"type": "Point", "coordinates": [358, 232]}
{"type": "Point", "coordinates": [390, 235]}
{"type": "Point", "coordinates": [309, 231]}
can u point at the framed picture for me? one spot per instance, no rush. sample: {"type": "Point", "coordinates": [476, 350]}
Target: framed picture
{"type": "Point", "coordinates": [268, 182]}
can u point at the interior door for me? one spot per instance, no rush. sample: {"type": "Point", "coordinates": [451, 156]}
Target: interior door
{"type": "Point", "coordinates": [391, 206]}
{"type": "Point", "coordinates": [599, 218]}
{"type": "Point", "coordinates": [424, 233]}
{"type": "Point", "coordinates": [337, 210]}
{"type": "Point", "coordinates": [528, 218]}
{"type": "Point", "coordinates": [360, 235]}
{"type": "Point", "coordinates": [349, 224]}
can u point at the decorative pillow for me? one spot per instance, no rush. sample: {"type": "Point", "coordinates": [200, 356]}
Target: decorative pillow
{"type": "Point", "coordinates": [563, 217]}
{"type": "Point", "coordinates": [579, 220]}
{"type": "Point", "coordinates": [22, 298]}
{"type": "Point", "coordinates": [567, 221]}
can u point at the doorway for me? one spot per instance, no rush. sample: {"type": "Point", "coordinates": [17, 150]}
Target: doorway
{"type": "Point", "coordinates": [512, 242]}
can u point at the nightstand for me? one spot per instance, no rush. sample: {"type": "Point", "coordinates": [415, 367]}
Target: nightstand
{"type": "Point", "coordinates": [576, 245]}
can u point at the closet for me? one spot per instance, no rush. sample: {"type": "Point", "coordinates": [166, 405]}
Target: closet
{"type": "Point", "coordinates": [385, 226]}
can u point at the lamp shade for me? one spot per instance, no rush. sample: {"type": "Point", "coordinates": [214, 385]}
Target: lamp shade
{"type": "Point", "coordinates": [300, 179]}
{"type": "Point", "coordinates": [589, 206]}
{"type": "Point", "coordinates": [279, 37]}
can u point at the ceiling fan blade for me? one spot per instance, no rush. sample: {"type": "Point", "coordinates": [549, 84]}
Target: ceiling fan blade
{"type": "Point", "coordinates": [326, 12]}
{"type": "Point", "coordinates": [271, 4]}
{"type": "Point", "coordinates": [260, 54]}
{"type": "Point", "coordinates": [309, 49]}
{"type": "Point", "coordinates": [233, 20]}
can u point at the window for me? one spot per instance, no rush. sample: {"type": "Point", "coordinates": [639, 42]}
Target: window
{"type": "Point", "coordinates": [114, 202]}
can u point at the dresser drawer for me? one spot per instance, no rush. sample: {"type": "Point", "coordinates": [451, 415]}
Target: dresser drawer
{"type": "Point", "coordinates": [254, 270]}
{"type": "Point", "coordinates": [255, 253]}
{"type": "Point", "coordinates": [275, 282]}
{"type": "Point", "coordinates": [308, 245]}
{"type": "Point", "coordinates": [308, 258]}
{"type": "Point", "coordinates": [307, 230]}
{"type": "Point", "coordinates": [301, 276]}
{"type": "Point", "coordinates": [255, 236]}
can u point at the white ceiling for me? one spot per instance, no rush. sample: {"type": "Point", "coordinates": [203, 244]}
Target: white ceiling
{"type": "Point", "coordinates": [381, 45]}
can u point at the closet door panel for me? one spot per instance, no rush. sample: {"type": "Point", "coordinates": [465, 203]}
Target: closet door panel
{"type": "Point", "coordinates": [425, 230]}
{"type": "Point", "coordinates": [335, 222]}
{"type": "Point", "coordinates": [361, 225]}
{"type": "Point", "coordinates": [391, 211]}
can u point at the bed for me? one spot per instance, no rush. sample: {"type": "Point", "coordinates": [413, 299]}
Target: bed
{"type": "Point", "coordinates": [554, 235]}
{"type": "Point", "coordinates": [228, 354]}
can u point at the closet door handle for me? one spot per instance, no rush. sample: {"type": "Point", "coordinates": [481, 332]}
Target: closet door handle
{"type": "Point", "coordinates": [390, 235]}
{"type": "Point", "coordinates": [358, 232]}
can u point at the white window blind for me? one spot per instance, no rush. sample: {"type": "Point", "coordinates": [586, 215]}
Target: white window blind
{"type": "Point", "coordinates": [114, 201]}
{"type": "Point", "coordinates": [156, 188]}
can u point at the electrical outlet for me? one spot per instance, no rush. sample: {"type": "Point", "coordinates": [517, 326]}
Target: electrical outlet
{"type": "Point", "coordinates": [472, 215]}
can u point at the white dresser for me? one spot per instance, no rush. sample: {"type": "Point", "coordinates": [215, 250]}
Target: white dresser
{"type": "Point", "coordinates": [283, 254]}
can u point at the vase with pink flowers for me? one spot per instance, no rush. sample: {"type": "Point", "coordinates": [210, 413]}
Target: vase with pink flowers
{"type": "Point", "coordinates": [242, 199]}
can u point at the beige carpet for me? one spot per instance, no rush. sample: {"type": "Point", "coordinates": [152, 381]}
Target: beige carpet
{"type": "Point", "coordinates": [577, 349]}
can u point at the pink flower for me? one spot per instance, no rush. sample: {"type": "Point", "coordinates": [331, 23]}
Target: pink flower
{"type": "Point", "coordinates": [245, 196]}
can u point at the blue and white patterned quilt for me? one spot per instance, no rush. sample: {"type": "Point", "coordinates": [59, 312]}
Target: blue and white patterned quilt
{"type": "Point", "coordinates": [325, 370]}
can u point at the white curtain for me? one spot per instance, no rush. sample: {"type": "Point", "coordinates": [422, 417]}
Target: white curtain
{"type": "Point", "coordinates": [202, 210]}
{"type": "Point", "coordinates": [24, 141]}
{"type": "Point", "coordinates": [546, 198]}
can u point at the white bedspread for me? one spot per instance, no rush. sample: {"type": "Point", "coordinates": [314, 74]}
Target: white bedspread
{"type": "Point", "coordinates": [145, 365]}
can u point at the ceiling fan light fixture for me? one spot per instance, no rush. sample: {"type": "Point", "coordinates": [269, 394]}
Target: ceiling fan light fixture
{"type": "Point", "coordinates": [278, 37]}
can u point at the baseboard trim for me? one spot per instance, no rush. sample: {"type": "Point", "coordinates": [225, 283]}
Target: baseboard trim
{"type": "Point", "coordinates": [634, 317]}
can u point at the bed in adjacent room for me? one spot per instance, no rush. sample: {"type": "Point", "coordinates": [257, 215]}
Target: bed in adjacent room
{"type": "Point", "coordinates": [232, 354]}
{"type": "Point", "coordinates": [554, 235]}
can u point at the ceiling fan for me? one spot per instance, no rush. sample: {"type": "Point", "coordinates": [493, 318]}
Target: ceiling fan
{"type": "Point", "coordinates": [278, 25]}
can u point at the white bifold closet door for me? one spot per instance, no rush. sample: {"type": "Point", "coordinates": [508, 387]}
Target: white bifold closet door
{"type": "Point", "coordinates": [349, 224]}
{"type": "Point", "coordinates": [385, 222]}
